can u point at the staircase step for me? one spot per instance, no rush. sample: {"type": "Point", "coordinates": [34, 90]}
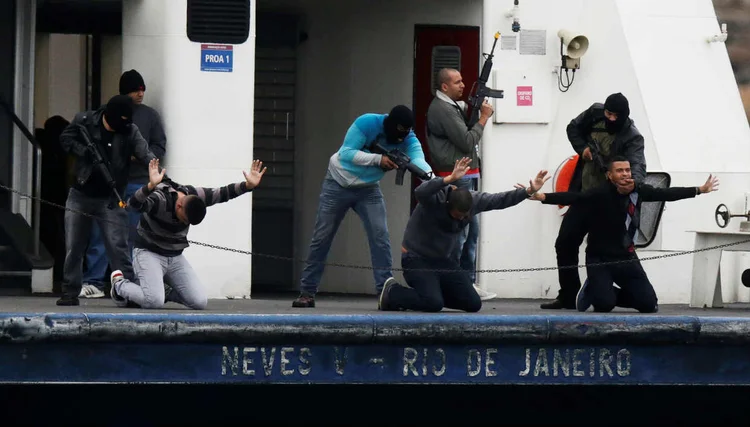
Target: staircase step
{"type": "Point", "coordinates": [7, 257]}
{"type": "Point", "coordinates": [9, 266]}
{"type": "Point", "coordinates": [15, 274]}
{"type": "Point", "coordinates": [17, 233]}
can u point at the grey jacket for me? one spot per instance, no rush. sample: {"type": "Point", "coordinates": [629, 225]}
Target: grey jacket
{"type": "Point", "coordinates": [448, 137]}
{"type": "Point", "coordinates": [432, 232]}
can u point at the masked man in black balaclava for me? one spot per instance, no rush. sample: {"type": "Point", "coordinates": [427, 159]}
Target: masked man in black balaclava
{"type": "Point", "coordinates": [150, 125]}
{"type": "Point", "coordinates": [353, 182]}
{"type": "Point", "coordinates": [106, 134]}
{"type": "Point", "coordinates": [598, 134]}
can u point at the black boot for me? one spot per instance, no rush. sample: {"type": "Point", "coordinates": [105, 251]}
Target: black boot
{"type": "Point", "coordinates": [68, 300]}
{"type": "Point", "coordinates": [556, 304]}
{"type": "Point", "coordinates": [304, 301]}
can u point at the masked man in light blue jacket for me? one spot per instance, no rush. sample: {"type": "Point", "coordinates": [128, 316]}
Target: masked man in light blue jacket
{"type": "Point", "coordinates": [353, 182]}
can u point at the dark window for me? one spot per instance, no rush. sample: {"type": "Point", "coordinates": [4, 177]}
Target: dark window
{"type": "Point", "coordinates": [444, 57]}
{"type": "Point", "coordinates": [651, 211]}
{"type": "Point", "coordinates": [218, 21]}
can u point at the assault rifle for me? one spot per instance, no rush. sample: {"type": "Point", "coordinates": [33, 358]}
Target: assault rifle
{"type": "Point", "coordinates": [402, 161]}
{"type": "Point", "coordinates": [99, 162]}
{"type": "Point", "coordinates": [482, 91]}
{"type": "Point", "coordinates": [596, 155]}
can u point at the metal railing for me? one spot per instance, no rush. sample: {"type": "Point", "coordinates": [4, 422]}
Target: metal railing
{"type": "Point", "coordinates": [37, 184]}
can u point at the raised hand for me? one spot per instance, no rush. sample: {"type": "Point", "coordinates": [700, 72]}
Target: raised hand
{"type": "Point", "coordinates": [253, 178]}
{"type": "Point", "coordinates": [712, 184]}
{"type": "Point", "coordinates": [154, 175]}
{"type": "Point", "coordinates": [537, 183]}
{"type": "Point", "coordinates": [460, 169]}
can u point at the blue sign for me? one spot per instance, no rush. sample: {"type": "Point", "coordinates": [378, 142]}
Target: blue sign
{"type": "Point", "coordinates": [216, 57]}
{"type": "Point", "coordinates": [258, 363]}
{"type": "Point", "coordinates": [373, 349]}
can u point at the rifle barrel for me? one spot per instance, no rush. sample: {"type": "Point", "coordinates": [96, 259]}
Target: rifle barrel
{"type": "Point", "coordinates": [497, 36]}
{"type": "Point", "coordinates": [417, 171]}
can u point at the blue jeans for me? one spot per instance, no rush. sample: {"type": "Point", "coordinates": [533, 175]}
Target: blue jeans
{"type": "Point", "coordinates": [466, 250]}
{"type": "Point", "coordinates": [96, 256]}
{"type": "Point", "coordinates": [433, 291]}
{"type": "Point", "coordinates": [335, 202]}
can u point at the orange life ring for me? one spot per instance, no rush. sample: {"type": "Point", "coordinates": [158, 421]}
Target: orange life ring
{"type": "Point", "coordinates": [564, 175]}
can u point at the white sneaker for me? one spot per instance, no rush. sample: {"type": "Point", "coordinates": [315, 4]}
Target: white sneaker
{"type": "Point", "coordinates": [115, 278]}
{"type": "Point", "coordinates": [90, 291]}
{"type": "Point", "coordinates": [484, 295]}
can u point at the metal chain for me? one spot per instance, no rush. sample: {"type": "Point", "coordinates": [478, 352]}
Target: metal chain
{"type": "Point", "coordinates": [362, 267]}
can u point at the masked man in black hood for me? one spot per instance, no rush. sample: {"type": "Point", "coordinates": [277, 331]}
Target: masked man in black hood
{"type": "Point", "coordinates": [103, 142]}
{"type": "Point", "coordinates": [353, 182]}
{"type": "Point", "coordinates": [600, 133]}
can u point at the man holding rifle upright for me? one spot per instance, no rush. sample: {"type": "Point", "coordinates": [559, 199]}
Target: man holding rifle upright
{"type": "Point", "coordinates": [598, 134]}
{"type": "Point", "coordinates": [451, 139]}
{"type": "Point", "coordinates": [453, 134]}
{"type": "Point", "coordinates": [103, 142]}
{"type": "Point", "coordinates": [353, 182]}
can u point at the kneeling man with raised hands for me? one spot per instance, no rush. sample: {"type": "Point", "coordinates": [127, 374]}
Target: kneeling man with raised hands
{"type": "Point", "coordinates": [430, 240]}
{"type": "Point", "coordinates": [168, 209]}
{"type": "Point", "coordinates": [613, 209]}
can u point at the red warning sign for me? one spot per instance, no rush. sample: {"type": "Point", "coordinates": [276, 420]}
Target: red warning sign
{"type": "Point", "coordinates": [524, 96]}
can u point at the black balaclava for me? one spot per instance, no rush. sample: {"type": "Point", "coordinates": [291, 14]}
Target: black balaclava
{"type": "Point", "coordinates": [119, 106]}
{"type": "Point", "coordinates": [617, 103]}
{"type": "Point", "coordinates": [399, 115]}
{"type": "Point", "coordinates": [131, 81]}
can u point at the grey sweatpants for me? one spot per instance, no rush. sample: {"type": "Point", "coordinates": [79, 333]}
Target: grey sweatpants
{"type": "Point", "coordinates": [153, 271]}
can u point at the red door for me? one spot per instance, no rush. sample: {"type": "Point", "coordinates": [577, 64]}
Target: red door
{"type": "Point", "coordinates": [439, 47]}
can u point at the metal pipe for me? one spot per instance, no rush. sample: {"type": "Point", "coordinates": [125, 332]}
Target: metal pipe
{"type": "Point", "coordinates": [36, 221]}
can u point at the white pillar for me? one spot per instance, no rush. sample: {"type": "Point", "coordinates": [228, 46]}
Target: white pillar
{"type": "Point", "coordinates": [111, 67]}
{"type": "Point", "coordinates": [23, 106]}
{"type": "Point", "coordinates": [208, 119]}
